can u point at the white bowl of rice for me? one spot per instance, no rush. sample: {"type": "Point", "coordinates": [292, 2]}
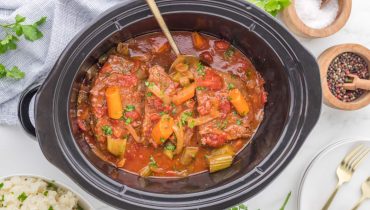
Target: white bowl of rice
{"type": "Point", "coordinates": [30, 192]}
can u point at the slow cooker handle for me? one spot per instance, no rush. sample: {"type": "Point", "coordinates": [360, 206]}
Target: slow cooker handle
{"type": "Point", "coordinates": [23, 109]}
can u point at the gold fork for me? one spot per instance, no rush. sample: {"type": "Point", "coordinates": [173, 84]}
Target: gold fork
{"type": "Point", "coordinates": [346, 169]}
{"type": "Point", "coordinates": [365, 193]}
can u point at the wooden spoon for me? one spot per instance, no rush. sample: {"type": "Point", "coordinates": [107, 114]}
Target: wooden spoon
{"type": "Point", "coordinates": [158, 16]}
{"type": "Point", "coordinates": [357, 83]}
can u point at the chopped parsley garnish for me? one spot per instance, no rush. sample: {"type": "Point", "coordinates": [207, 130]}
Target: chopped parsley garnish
{"type": "Point", "coordinates": [79, 207]}
{"type": "Point", "coordinates": [162, 113]}
{"type": "Point", "coordinates": [162, 140]}
{"type": "Point", "coordinates": [238, 121]}
{"type": "Point", "coordinates": [107, 130]}
{"type": "Point", "coordinates": [222, 125]}
{"type": "Point", "coordinates": [201, 88]}
{"type": "Point", "coordinates": [230, 86]}
{"type": "Point", "coordinates": [130, 108]}
{"type": "Point", "coordinates": [51, 186]}
{"type": "Point", "coordinates": [152, 162]}
{"type": "Point", "coordinates": [229, 53]}
{"type": "Point", "coordinates": [128, 120]}
{"type": "Point", "coordinates": [191, 123]}
{"type": "Point", "coordinates": [1, 185]}
{"type": "Point", "coordinates": [46, 193]}
{"type": "Point", "coordinates": [149, 84]}
{"type": "Point", "coordinates": [169, 146]}
{"type": "Point", "coordinates": [2, 198]}
{"type": "Point", "coordinates": [185, 116]}
{"type": "Point", "coordinates": [22, 197]}
{"type": "Point", "coordinates": [201, 69]}
{"type": "Point", "coordinates": [50, 208]}
{"type": "Point", "coordinates": [149, 94]}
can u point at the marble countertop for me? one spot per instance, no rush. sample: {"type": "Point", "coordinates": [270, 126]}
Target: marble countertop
{"type": "Point", "coordinates": [20, 154]}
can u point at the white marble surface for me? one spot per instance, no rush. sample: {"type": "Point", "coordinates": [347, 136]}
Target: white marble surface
{"type": "Point", "coordinates": [20, 154]}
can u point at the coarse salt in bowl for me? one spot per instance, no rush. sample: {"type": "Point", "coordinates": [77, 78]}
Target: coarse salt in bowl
{"type": "Point", "coordinates": [313, 16]}
{"type": "Point", "coordinates": [306, 19]}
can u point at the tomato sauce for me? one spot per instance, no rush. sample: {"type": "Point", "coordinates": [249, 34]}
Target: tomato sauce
{"type": "Point", "coordinates": [128, 67]}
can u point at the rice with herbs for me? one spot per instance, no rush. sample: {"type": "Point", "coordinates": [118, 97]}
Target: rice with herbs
{"type": "Point", "coordinates": [35, 194]}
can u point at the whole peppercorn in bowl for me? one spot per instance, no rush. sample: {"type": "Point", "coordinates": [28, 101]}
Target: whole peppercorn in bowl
{"type": "Point", "coordinates": [336, 63]}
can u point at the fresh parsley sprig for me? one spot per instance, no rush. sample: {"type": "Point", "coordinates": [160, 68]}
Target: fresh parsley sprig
{"type": "Point", "coordinates": [271, 6]}
{"type": "Point", "coordinates": [14, 72]}
{"type": "Point", "coordinates": [12, 33]}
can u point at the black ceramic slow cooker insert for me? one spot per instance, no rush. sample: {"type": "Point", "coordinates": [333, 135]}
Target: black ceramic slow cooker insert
{"type": "Point", "coordinates": [294, 102]}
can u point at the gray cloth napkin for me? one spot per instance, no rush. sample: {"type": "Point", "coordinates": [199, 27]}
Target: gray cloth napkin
{"type": "Point", "coordinates": [64, 19]}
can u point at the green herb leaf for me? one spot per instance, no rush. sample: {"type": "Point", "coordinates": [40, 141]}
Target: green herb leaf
{"type": "Point", "coordinates": [185, 116]}
{"type": "Point", "coordinates": [79, 207]}
{"type": "Point", "coordinates": [107, 130]}
{"type": "Point", "coordinates": [149, 94]}
{"type": "Point", "coordinates": [8, 43]}
{"type": "Point", "coordinates": [19, 18]}
{"type": "Point", "coordinates": [15, 73]}
{"type": "Point", "coordinates": [2, 199]}
{"type": "Point", "coordinates": [31, 32]}
{"type": "Point", "coordinates": [222, 125]}
{"type": "Point", "coordinates": [169, 146]}
{"type": "Point", "coordinates": [229, 53]}
{"type": "Point", "coordinates": [22, 197]}
{"type": "Point", "coordinates": [51, 186]}
{"type": "Point", "coordinates": [238, 121]}
{"type": "Point", "coordinates": [128, 121]}
{"type": "Point", "coordinates": [239, 207]}
{"type": "Point", "coordinates": [201, 69]}
{"type": "Point", "coordinates": [230, 86]}
{"type": "Point", "coordinates": [50, 208]}
{"type": "Point", "coordinates": [149, 84]}
{"type": "Point", "coordinates": [162, 140]}
{"type": "Point", "coordinates": [46, 193]}
{"type": "Point", "coordinates": [129, 108]}
{"type": "Point", "coordinates": [1, 185]}
{"type": "Point", "coordinates": [162, 113]}
{"type": "Point", "coordinates": [191, 123]}
{"type": "Point", "coordinates": [152, 162]}
{"type": "Point", "coordinates": [201, 88]}
{"type": "Point", "coordinates": [40, 22]}
{"type": "Point", "coordinates": [271, 6]}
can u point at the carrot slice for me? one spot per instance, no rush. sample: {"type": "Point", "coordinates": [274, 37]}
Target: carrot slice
{"type": "Point", "coordinates": [113, 96]}
{"type": "Point", "coordinates": [163, 129]}
{"type": "Point", "coordinates": [239, 102]}
{"type": "Point", "coordinates": [199, 42]}
{"type": "Point", "coordinates": [185, 94]}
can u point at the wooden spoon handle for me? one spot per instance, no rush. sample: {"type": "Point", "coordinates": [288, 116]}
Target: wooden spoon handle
{"type": "Point", "coordinates": [158, 16]}
{"type": "Point", "coordinates": [363, 84]}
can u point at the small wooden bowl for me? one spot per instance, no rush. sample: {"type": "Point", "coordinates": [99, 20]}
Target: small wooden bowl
{"type": "Point", "coordinates": [296, 25]}
{"type": "Point", "coordinates": [325, 60]}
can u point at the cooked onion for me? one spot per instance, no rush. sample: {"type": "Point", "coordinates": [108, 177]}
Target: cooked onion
{"type": "Point", "coordinates": [133, 133]}
{"type": "Point", "coordinates": [179, 133]}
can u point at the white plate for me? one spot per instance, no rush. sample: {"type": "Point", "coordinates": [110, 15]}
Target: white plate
{"type": "Point", "coordinates": [83, 203]}
{"type": "Point", "coordinates": [319, 179]}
